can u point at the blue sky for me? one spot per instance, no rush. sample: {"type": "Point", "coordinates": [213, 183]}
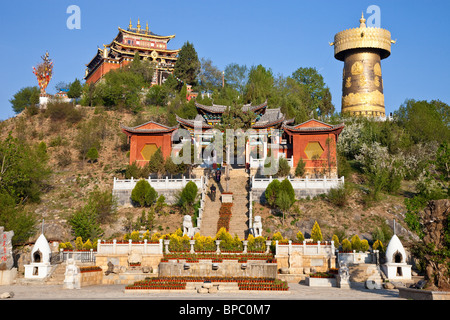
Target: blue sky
{"type": "Point", "coordinates": [281, 35]}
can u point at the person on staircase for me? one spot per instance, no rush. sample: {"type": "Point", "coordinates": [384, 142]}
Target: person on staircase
{"type": "Point", "coordinates": [213, 192]}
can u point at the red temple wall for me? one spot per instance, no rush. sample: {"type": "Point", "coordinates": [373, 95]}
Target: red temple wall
{"type": "Point", "coordinates": [299, 143]}
{"type": "Point", "coordinates": [138, 142]}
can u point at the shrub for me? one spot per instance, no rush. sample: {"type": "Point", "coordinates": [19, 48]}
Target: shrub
{"type": "Point", "coordinates": [316, 233]}
{"type": "Point", "coordinates": [256, 244]}
{"type": "Point", "coordinates": [79, 243]}
{"type": "Point", "coordinates": [283, 168]}
{"type": "Point", "coordinates": [378, 245]}
{"type": "Point", "coordinates": [364, 245]}
{"type": "Point", "coordinates": [272, 191]}
{"type": "Point", "coordinates": [300, 237]}
{"type": "Point", "coordinates": [335, 239]}
{"type": "Point", "coordinates": [188, 195]}
{"type": "Point", "coordinates": [346, 245]}
{"type": "Point", "coordinates": [88, 245]}
{"type": "Point", "coordinates": [286, 186]}
{"type": "Point", "coordinates": [92, 154]}
{"type": "Point", "coordinates": [300, 169]}
{"type": "Point", "coordinates": [143, 193]}
{"type": "Point", "coordinates": [338, 196]}
{"type": "Point", "coordinates": [356, 243]}
{"type": "Point", "coordinates": [156, 163]}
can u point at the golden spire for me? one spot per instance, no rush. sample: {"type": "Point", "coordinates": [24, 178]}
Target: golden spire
{"type": "Point", "coordinates": [362, 21]}
{"type": "Point", "coordinates": [139, 25]}
{"type": "Point", "coordinates": [146, 27]}
{"type": "Point", "coordinates": [130, 25]}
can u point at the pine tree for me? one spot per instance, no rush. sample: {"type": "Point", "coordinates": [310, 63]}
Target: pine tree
{"type": "Point", "coordinates": [156, 163]}
{"type": "Point", "coordinates": [300, 169]}
{"type": "Point", "coordinates": [316, 233]}
{"type": "Point", "coordinates": [188, 65]}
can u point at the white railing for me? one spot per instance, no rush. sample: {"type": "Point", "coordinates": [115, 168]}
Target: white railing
{"type": "Point", "coordinates": [306, 183]}
{"type": "Point", "coordinates": [83, 256]}
{"type": "Point", "coordinates": [202, 202]}
{"type": "Point", "coordinates": [259, 163]}
{"type": "Point", "coordinates": [126, 247]}
{"type": "Point", "coordinates": [157, 184]}
{"type": "Point", "coordinates": [305, 248]}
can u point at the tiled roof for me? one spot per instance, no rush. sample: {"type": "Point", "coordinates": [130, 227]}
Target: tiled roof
{"type": "Point", "coordinates": [192, 122]}
{"type": "Point", "coordinates": [269, 118]}
{"type": "Point", "coordinates": [217, 108]}
{"type": "Point", "coordinates": [159, 130]}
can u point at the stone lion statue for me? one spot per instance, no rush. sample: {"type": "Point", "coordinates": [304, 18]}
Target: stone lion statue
{"type": "Point", "coordinates": [188, 228]}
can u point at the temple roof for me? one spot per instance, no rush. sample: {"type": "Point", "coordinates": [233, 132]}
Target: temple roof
{"type": "Point", "coordinates": [269, 118]}
{"type": "Point", "coordinates": [314, 125]}
{"type": "Point", "coordinates": [198, 120]}
{"type": "Point", "coordinates": [148, 127]}
{"type": "Point", "coordinates": [216, 108]}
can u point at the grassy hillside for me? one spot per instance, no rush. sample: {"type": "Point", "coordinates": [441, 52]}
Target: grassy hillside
{"type": "Point", "coordinates": [73, 179]}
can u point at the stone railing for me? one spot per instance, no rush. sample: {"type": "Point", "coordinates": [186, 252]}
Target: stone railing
{"type": "Point", "coordinates": [305, 248]}
{"type": "Point", "coordinates": [358, 257]}
{"type": "Point", "coordinates": [306, 183]}
{"type": "Point", "coordinates": [203, 194]}
{"type": "Point", "coordinates": [125, 247]}
{"type": "Point", "coordinates": [157, 184]}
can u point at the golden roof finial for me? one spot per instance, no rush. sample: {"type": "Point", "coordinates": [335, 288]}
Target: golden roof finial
{"type": "Point", "coordinates": [130, 25]}
{"type": "Point", "coordinates": [362, 20]}
{"type": "Point", "coordinates": [139, 24]}
{"type": "Point", "coordinates": [146, 27]}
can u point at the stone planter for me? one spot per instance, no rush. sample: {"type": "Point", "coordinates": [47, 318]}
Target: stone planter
{"type": "Point", "coordinates": [418, 294]}
{"type": "Point", "coordinates": [227, 197]}
{"type": "Point", "coordinates": [320, 282]}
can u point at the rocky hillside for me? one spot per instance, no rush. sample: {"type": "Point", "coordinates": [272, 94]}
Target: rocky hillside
{"type": "Point", "coordinates": [73, 178]}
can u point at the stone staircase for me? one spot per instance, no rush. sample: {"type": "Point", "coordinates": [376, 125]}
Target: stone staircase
{"type": "Point", "coordinates": [57, 276]}
{"type": "Point", "coordinates": [238, 185]}
{"type": "Point", "coordinates": [366, 271]}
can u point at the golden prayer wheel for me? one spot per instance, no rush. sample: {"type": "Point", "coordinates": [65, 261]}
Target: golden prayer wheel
{"type": "Point", "coordinates": [362, 50]}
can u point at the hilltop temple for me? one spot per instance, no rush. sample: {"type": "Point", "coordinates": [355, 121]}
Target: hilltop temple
{"type": "Point", "coordinates": [125, 45]}
{"type": "Point", "coordinates": [313, 141]}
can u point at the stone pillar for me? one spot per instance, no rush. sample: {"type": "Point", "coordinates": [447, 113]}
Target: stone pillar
{"type": "Point", "coordinates": [166, 245]}
{"type": "Point", "coordinates": [245, 243]}
{"type": "Point", "coordinates": [218, 246]}
{"type": "Point", "coordinates": [268, 243]}
{"type": "Point", "coordinates": [192, 242]}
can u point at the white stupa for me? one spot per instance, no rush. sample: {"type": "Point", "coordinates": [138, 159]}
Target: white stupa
{"type": "Point", "coordinates": [40, 265]}
{"type": "Point", "coordinates": [396, 267]}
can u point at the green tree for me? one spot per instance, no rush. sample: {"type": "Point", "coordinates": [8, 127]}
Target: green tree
{"type": "Point", "coordinates": [335, 239]}
{"type": "Point", "coordinates": [210, 76]}
{"type": "Point", "coordinates": [24, 98]}
{"type": "Point", "coordinates": [188, 65]}
{"type": "Point", "coordinates": [320, 94]}
{"type": "Point", "coordinates": [75, 89]}
{"type": "Point", "coordinates": [156, 163]}
{"type": "Point", "coordinates": [271, 192]}
{"type": "Point", "coordinates": [300, 237]}
{"type": "Point", "coordinates": [170, 167]}
{"type": "Point", "coordinates": [236, 76]}
{"type": "Point", "coordinates": [283, 168]}
{"type": "Point", "coordinates": [260, 84]}
{"type": "Point", "coordinates": [425, 121]}
{"type": "Point", "coordinates": [143, 193]}
{"type": "Point", "coordinates": [92, 154]}
{"type": "Point", "coordinates": [84, 223]}
{"type": "Point", "coordinates": [286, 186]}
{"type": "Point", "coordinates": [23, 170]}
{"type": "Point", "coordinates": [316, 233]}
{"type": "Point", "coordinates": [188, 195]}
{"type": "Point", "coordinates": [300, 168]}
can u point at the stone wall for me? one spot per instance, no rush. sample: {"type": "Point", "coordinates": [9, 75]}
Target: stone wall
{"type": "Point", "coordinates": [224, 269]}
{"type": "Point", "coordinates": [91, 278]}
{"type": "Point", "coordinates": [259, 194]}
{"type": "Point", "coordinates": [124, 196]}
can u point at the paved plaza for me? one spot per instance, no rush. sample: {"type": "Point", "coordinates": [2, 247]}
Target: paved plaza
{"type": "Point", "coordinates": [116, 292]}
